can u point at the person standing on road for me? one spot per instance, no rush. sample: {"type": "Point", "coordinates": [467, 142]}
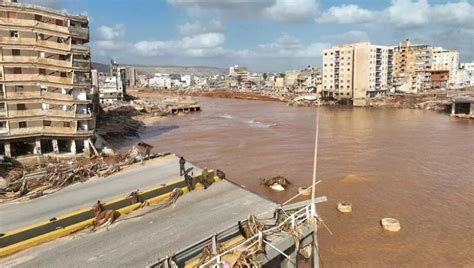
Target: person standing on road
{"type": "Point", "coordinates": [182, 169]}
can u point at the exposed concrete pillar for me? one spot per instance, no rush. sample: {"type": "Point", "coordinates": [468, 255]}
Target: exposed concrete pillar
{"type": "Point", "coordinates": [453, 108]}
{"type": "Point", "coordinates": [8, 150]}
{"type": "Point", "coordinates": [87, 147]}
{"type": "Point", "coordinates": [37, 149]}
{"type": "Point", "coordinates": [289, 263]}
{"type": "Point", "coordinates": [73, 146]}
{"type": "Point", "coordinates": [55, 146]}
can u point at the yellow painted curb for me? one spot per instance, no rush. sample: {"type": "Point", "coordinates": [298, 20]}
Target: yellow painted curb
{"type": "Point", "coordinates": [81, 225]}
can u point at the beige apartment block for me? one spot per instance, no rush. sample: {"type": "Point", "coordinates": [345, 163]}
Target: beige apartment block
{"type": "Point", "coordinates": [357, 72]}
{"type": "Point", "coordinates": [412, 67]}
{"type": "Point", "coordinates": [46, 97]}
{"type": "Point", "coordinates": [446, 60]}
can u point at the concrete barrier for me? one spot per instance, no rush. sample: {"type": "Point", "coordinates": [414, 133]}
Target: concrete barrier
{"type": "Point", "coordinates": [23, 238]}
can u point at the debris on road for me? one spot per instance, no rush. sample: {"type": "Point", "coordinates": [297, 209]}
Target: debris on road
{"type": "Point", "coordinates": [33, 182]}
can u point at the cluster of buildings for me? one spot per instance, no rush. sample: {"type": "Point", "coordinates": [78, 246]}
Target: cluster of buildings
{"type": "Point", "coordinates": [170, 81]}
{"type": "Point", "coordinates": [47, 101]}
{"type": "Point", "coordinates": [363, 70]}
{"type": "Point", "coordinates": [112, 86]}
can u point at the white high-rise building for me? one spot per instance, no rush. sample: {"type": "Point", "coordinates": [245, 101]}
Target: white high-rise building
{"type": "Point", "coordinates": [357, 71]}
{"type": "Point", "coordinates": [446, 60]}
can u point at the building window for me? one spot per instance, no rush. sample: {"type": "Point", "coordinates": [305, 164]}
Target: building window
{"type": "Point", "coordinates": [38, 17]}
{"type": "Point", "coordinates": [18, 88]}
{"type": "Point", "coordinates": [46, 123]}
{"type": "Point", "coordinates": [16, 52]}
{"type": "Point", "coordinates": [67, 124]}
{"type": "Point", "coordinates": [21, 106]}
{"type": "Point", "coordinates": [14, 34]}
{"type": "Point", "coordinates": [3, 124]}
{"type": "Point", "coordinates": [42, 71]}
{"type": "Point", "coordinates": [16, 70]}
{"type": "Point", "coordinates": [22, 124]}
{"type": "Point", "coordinates": [60, 22]}
{"type": "Point", "coordinates": [2, 106]}
{"type": "Point", "coordinates": [63, 74]}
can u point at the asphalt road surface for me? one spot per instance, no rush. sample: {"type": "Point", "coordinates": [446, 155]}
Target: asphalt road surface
{"type": "Point", "coordinates": [141, 240]}
{"type": "Point", "coordinates": [14, 215]}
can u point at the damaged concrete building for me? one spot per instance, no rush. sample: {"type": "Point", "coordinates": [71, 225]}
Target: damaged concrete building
{"type": "Point", "coordinates": [47, 102]}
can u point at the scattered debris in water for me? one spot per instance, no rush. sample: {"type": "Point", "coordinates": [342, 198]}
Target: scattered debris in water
{"type": "Point", "coordinates": [304, 190]}
{"type": "Point", "coordinates": [344, 207]}
{"type": "Point", "coordinates": [277, 183]}
{"type": "Point", "coordinates": [390, 224]}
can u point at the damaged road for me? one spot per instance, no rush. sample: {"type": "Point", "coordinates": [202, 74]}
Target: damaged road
{"type": "Point", "coordinates": [15, 215]}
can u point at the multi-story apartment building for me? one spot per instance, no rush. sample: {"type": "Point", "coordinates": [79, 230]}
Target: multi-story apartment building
{"type": "Point", "coordinates": [357, 71]}
{"type": "Point", "coordinates": [46, 98]}
{"type": "Point", "coordinates": [446, 60]}
{"type": "Point", "coordinates": [412, 67]}
{"type": "Point", "coordinates": [465, 75]}
{"type": "Point", "coordinates": [239, 72]}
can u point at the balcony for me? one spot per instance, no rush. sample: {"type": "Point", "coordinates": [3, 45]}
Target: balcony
{"type": "Point", "coordinates": [81, 31]}
{"type": "Point", "coordinates": [33, 42]}
{"type": "Point", "coordinates": [50, 44]}
{"type": "Point", "coordinates": [32, 59]}
{"type": "Point", "coordinates": [40, 112]}
{"type": "Point", "coordinates": [80, 48]}
{"type": "Point", "coordinates": [45, 130]}
{"type": "Point", "coordinates": [38, 77]}
{"type": "Point", "coordinates": [83, 64]}
{"type": "Point", "coordinates": [34, 24]}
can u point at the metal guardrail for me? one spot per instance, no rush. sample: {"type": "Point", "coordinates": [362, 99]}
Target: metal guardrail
{"type": "Point", "coordinates": [302, 215]}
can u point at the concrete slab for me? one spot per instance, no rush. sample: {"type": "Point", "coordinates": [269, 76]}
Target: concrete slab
{"type": "Point", "coordinates": [141, 240]}
{"type": "Point", "coordinates": [15, 215]}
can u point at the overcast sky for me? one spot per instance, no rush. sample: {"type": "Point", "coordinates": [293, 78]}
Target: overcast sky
{"type": "Point", "coordinates": [265, 35]}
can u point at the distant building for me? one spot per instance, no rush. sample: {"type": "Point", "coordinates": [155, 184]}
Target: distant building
{"type": "Point", "coordinates": [412, 66]}
{"type": "Point", "coordinates": [130, 76]}
{"type": "Point", "coordinates": [111, 87]}
{"type": "Point", "coordinates": [160, 81]}
{"type": "Point", "coordinates": [291, 78]}
{"type": "Point", "coordinates": [357, 71]}
{"type": "Point", "coordinates": [465, 74]}
{"type": "Point", "coordinates": [446, 60]}
{"type": "Point", "coordinates": [239, 72]}
{"type": "Point", "coordinates": [439, 79]}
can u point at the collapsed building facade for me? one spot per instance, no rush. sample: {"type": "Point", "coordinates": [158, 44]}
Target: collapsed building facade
{"type": "Point", "coordinates": [47, 102]}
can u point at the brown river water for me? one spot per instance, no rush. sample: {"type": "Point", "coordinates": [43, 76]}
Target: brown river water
{"type": "Point", "coordinates": [413, 165]}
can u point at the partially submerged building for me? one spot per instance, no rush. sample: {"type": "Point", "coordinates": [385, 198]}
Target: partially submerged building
{"type": "Point", "coordinates": [46, 98]}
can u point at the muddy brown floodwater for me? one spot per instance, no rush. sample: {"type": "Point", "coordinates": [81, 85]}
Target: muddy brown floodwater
{"type": "Point", "coordinates": [413, 165]}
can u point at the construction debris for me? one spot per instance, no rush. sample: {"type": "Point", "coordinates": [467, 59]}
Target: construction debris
{"type": "Point", "coordinates": [390, 224]}
{"type": "Point", "coordinates": [344, 207]}
{"type": "Point", "coordinates": [57, 174]}
{"type": "Point", "coordinates": [278, 183]}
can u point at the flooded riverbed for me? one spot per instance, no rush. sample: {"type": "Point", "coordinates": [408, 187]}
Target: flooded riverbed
{"type": "Point", "coordinates": [416, 166]}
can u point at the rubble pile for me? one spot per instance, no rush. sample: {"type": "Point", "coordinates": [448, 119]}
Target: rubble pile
{"type": "Point", "coordinates": [277, 183]}
{"type": "Point", "coordinates": [45, 179]}
{"type": "Point", "coordinates": [123, 119]}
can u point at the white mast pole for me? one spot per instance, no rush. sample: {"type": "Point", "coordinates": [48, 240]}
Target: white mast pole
{"type": "Point", "coordinates": [315, 164]}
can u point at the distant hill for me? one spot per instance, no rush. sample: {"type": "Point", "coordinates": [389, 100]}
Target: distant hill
{"type": "Point", "coordinates": [100, 67]}
{"type": "Point", "coordinates": [169, 69]}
